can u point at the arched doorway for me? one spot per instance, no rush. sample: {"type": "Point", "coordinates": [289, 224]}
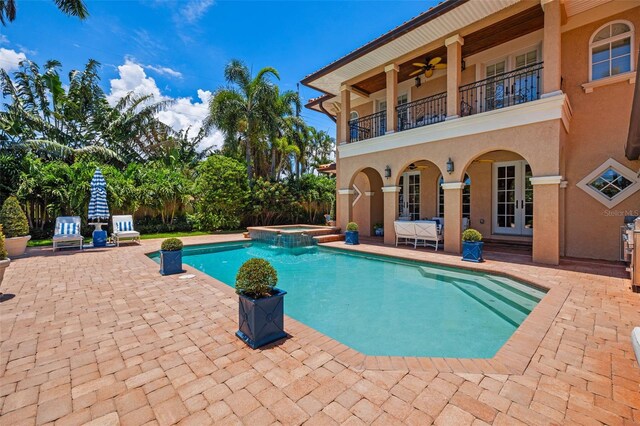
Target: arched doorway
{"type": "Point", "coordinates": [417, 195]}
{"type": "Point", "coordinates": [367, 201]}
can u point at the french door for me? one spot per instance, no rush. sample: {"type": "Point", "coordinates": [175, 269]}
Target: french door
{"type": "Point", "coordinates": [495, 89]}
{"type": "Point", "coordinates": [409, 196]}
{"type": "Point", "coordinates": [513, 198]}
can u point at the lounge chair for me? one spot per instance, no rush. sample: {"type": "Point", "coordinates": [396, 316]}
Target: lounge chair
{"type": "Point", "coordinates": [123, 229]}
{"type": "Point", "coordinates": [405, 230]}
{"type": "Point", "coordinates": [429, 232]}
{"type": "Point", "coordinates": [67, 232]}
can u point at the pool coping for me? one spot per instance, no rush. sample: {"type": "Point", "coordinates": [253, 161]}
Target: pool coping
{"type": "Point", "coordinates": [312, 230]}
{"type": "Point", "coordinates": [512, 358]}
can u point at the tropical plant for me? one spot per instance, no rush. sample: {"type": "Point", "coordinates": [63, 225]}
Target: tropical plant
{"type": "Point", "coordinates": [68, 7]}
{"type": "Point", "coordinates": [256, 278]}
{"type": "Point", "coordinates": [220, 191]}
{"type": "Point", "coordinates": [13, 220]}
{"type": "Point", "coordinates": [3, 251]}
{"type": "Point", "coordinates": [171, 244]}
{"type": "Point", "coordinates": [471, 235]}
{"type": "Point", "coordinates": [352, 227]}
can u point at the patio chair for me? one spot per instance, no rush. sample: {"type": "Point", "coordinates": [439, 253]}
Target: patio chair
{"type": "Point", "coordinates": [405, 230]}
{"type": "Point", "coordinates": [123, 229]}
{"type": "Point", "coordinates": [67, 233]}
{"type": "Point", "coordinates": [428, 232]}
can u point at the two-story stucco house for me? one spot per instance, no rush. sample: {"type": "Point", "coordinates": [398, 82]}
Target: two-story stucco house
{"type": "Point", "coordinates": [513, 114]}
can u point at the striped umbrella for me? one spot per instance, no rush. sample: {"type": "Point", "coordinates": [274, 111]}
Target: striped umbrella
{"type": "Point", "coordinates": [98, 208]}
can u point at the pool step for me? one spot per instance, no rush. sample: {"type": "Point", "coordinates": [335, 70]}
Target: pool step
{"type": "Point", "coordinates": [328, 238]}
{"type": "Point", "coordinates": [504, 310]}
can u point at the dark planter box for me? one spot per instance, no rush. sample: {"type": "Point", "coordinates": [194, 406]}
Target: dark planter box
{"type": "Point", "coordinates": [261, 321]}
{"type": "Point", "coordinates": [379, 232]}
{"type": "Point", "coordinates": [351, 237]}
{"type": "Point", "coordinates": [171, 262]}
{"type": "Point", "coordinates": [472, 251]}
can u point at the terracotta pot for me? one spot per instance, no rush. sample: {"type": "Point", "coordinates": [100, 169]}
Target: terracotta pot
{"type": "Point", "coordinates": [4, 264]}
{"type": "Point", "coordinates": [16, 246]}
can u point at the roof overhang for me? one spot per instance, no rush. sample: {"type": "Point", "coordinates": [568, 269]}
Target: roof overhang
{"type": "Point", "coordinates": [438, 22]}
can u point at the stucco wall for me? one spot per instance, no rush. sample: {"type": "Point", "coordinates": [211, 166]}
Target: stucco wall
{"type": "Point", "coordinates": [599, 130]}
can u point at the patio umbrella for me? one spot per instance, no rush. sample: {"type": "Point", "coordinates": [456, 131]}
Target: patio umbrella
{"type": "Point", "coordinates": [98, 208]}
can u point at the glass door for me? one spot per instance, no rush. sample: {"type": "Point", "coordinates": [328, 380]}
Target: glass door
{"type": "Point", "coordinates": [525, 87]}
{"type": "Point", "coordinates": [513, 198]}
{"type": "Point", "coordinates": [382, 123]}
{"type": "Point", "coordinates": [409, 196]}
{"type": "Point", "coordinates": [495, 89]}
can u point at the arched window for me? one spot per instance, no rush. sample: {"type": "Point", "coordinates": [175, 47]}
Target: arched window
{"type": "Point", "coordinates": [353, 127]}
{"type": "Point", "coordinates": [611, 51]}
{"type": "Point", "coordinates": [466, 197]}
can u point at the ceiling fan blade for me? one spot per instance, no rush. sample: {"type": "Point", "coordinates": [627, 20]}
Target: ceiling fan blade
{"type": "Point", "coordinates": [440, 66]}
{"type": "Point", "coordinates": [416, 72]}
{"type": "Point", "coordinates": [428, 73]}
{"type": "Point", "coordinates": [435, 60]}
{"type": "Point", "coordinates": [419, 64]}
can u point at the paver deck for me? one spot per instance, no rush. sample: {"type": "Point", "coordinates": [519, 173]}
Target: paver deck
{"type": "Point", "coordinates": [99, 336]}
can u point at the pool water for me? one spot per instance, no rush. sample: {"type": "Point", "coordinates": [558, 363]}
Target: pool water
{"type": "Point", "coordinates": [384, 306]}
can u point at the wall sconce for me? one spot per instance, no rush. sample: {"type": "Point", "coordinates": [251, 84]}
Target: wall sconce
{"type": "Point", "coordinates": [450, 166]}
{"type": "Point", "coordinates": [463, 65]}
{"type": "Point", "coordinates": [418, 82]}
{"type": "Point", "coordinates": [387, 172]}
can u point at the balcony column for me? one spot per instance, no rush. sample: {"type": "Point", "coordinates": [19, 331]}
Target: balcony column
{"type": "Point", "coordinates": [390, 212]}
{"type": "Point", "coordinates": [546, 219]}
{"type": "Point", "coordinates": [453, 216]}
{"type": "Point", "coordinates": [345, 100]}
{"type": "Point", "coordinates": [391, 71]}
{"type": "Point", "coordinates": [343, 207]}
{"type": "Point", "coordinates": [551, 48]}
{"type": "Point", "coordinates": [454, 74]}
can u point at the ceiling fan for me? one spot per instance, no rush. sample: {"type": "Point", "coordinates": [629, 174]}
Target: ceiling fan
{"type": "Point", "coordinates": [428, 67]}
{"type": "Point", "coordinates": [414, 166]}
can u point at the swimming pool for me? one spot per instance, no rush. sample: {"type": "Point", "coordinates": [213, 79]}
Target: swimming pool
{"type": "Point", "coordinates": [381, 305]}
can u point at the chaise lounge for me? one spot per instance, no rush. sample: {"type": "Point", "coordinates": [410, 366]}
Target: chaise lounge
{"type": "Point", "coordinates": [67, 233]}
{"type": "Point", "coordinates": [123, 229]}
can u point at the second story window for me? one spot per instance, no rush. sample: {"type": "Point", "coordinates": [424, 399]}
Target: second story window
{"type": "Point", "coordinates": [611, 50]}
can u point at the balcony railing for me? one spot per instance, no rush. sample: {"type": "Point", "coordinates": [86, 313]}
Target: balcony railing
{"type": "Point", "coordinates": [422, 112]}
{"type": "Point", "coordinates": [368, 127]}
{"type": "Point", "coordinates": [511, 88]}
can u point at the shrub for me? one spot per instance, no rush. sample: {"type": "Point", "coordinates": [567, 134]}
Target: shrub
{"type": "Point", "coordinates": [3, 252]}
{"type": "Point", "coordinates": [13, 219]}
{"type": "Point", "coordinates": [256, 278]}
{"type": "Point", "coordinates": [471, 236]}
{"type": "Point", "coordinates": [352, 226]}
{"type": "Point", "coordinates": [378, 226]}
{"type": "Point", "coordinates": [171, 244]}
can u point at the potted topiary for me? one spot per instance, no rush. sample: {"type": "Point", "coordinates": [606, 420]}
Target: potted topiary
{"type": "Point", "coordinates": [16, 227]}
{"type": "Point", "coordinates": [4, 260]}
{"type": "Point", "coordinates": [378, 230]}
{"type": "Point", "coordinates": [171, 257]}
{"type": "Point", "coordinates": [261, 304]}
{"type": "Point", "coordinates": [351, 235]}
{"type": "Point", "coordinates": [472, 245]}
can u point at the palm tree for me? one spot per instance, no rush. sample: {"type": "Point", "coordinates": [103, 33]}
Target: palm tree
{"type": "Point", "coordinates": [243, 112]}
{"type": "Point", "coordinates": [68, 7]}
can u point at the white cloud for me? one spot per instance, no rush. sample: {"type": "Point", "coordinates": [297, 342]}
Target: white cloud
{"type": "Point", "coordinates": [194, 10]}
{"type": "Point", "coordinates": [4, 39]}
{"type": "Point", "coordinates": [183, 114]}
{"type": "Point", "coordinates": [164, 70]}
{"type": "Point", "coordinates": [10, 59]}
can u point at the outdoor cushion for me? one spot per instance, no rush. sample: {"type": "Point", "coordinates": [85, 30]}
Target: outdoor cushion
{"type": "Point", "coordinates": [125, 234]}
{"type": "Point", "coordinates": [69, 229]}
{"type": "Point", "coordinates": [124, 226]}
{"type": "Point", "coordinates": [635, 341]}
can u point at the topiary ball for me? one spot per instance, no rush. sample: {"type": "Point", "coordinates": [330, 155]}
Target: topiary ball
{"type": "Point", "coordinates": [13, 219]}
{"type": "Point", "coordinates": [171, 244]}
{"type": "Point", "coordinates": [471, 236]}
{"type": "Point", "coordinates": [256, 278]}
{"type": "Point", "coordinates": [352, 226]}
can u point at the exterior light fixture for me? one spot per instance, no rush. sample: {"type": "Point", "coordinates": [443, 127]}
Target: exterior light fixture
{"type": "Point", "coordinates": [450, 167]}
{"type": "Point", "coordinates": [387, 172]}
{"type": "Point", "coordinates": [418, 82]}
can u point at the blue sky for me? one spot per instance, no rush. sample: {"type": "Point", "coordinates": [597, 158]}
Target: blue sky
{"type": "Point", "coordinates": [178, 49]}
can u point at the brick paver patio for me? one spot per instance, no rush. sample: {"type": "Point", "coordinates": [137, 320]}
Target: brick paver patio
{"type": "Point", "coordinates": [100, 337]}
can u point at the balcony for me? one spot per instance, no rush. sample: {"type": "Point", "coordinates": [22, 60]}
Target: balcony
{"type": "Point", "coordinates": [500, 91]}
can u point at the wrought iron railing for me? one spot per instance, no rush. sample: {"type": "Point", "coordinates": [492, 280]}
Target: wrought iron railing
{"type": "Point", "coordinates": [422, 112]}
{"type": "Point", "coordinates": [511, 88]}
{"type": "Point", "coordinates": [368, 127]}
